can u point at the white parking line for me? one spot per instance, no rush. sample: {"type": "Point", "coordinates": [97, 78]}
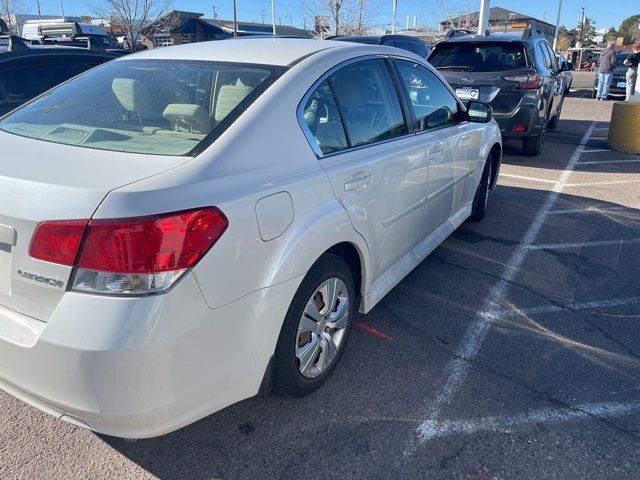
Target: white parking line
{"type": "Point", "coordinates": [502, 423]}
{"type": "Point", "coordinates": [457, 370]}
{"type": "Point", "coordinates": [514, 312]}
{"type": "Point", "coordinates": [625, 160]}
{"type": "Point", "coordinates": [567, 246]}
{"type": "Point", "coordinates": [603, 211]}
{"type": "Point", "coordinates": [595, 184]}
{"type": "Point", "coordinates": [597, 150]}
{"type": "Point", "coordinates": [532, 179]}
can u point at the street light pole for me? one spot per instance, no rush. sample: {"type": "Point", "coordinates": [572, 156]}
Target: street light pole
{"type": "Point", "coordinates": [483, 18]}
{"type": "Point", "coordinates": [235, 20]}
{"type": "Point", "coordinates": [393, 17]}
{"type": "Point", "coordinates": [582, 28]}
{"type": "Point", "coordinates": [555, 36]}
{"type": "Point", "coordinates": [273, 17]}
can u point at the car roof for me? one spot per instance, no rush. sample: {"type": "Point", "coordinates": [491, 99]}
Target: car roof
{"type": "Point", "coordinates": [265, 51]}
{"type": "Point", "coordinates": [375, 38]}
{"type": "Point", "coordinates": [493, 37]}
{"type": "Point", "coordinates": [42, 51]}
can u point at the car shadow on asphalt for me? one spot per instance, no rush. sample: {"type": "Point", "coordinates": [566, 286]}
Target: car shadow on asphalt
{"type": "Point", "coordinates": [357, 424]}
{"type": "Point", "coordinates": [561, 143]}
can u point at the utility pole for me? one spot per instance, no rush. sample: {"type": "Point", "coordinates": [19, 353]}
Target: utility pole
{"type": "Point", "coordinates": [393, 16]}
{"type": "Point", "coordinates": [582, 27]}
{"type": "Point", "coordinates": [62, 11]}
{"type": "Point", "coordinates": [262, 15]}
{"type": "Point", "coordinates": [273, 17]}
{"type": "Point", "coordinates": [483, 19]}
{"type": "Point", "coordinates": [235, 19]}
{"type": "Point", "coordinates": [215, 14]}
{"type": "Point", "coordinates": [555, 36]}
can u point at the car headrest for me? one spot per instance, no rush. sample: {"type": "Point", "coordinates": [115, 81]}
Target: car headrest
{"type": "Point", "coordinates": [132, 95]}
{"type": "Point", "coordinates": [187, 117]}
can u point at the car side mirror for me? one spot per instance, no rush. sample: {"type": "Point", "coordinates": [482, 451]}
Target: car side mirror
{"type": "Point", "coordinates": [479, 112]}
{"type": "Point", "coordinates": [569, 66]}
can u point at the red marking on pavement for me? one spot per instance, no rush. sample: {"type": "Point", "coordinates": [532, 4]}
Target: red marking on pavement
{"type": "Point", "coordinates": [431, 379]}
{"type": "Point", "coordinates": [373, 331]}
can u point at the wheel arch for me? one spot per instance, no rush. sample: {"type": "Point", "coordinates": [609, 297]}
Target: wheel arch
{"type": "Point", "coordinates": [496, 162]}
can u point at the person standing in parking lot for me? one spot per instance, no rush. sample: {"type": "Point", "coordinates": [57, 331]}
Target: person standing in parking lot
{"type": "Point", "coordinates": [607, 64]}
{"type": "Point", "coordinates": [632, 73]}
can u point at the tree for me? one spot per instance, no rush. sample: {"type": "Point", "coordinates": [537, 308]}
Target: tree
{"type": "Point", "coordinates": [566, 38]}
{"type": "Point", "coordinates": [611, 35]}
{"type": "Point", "coordinates": [587, 33]}
{"type": "Point", "coordinates": [346, 17]}
{"type": "Point", "coordinates": [629, 29]}
{"type": "Point", "coordinates": [8, 10]}
{"type": "Point", "coordinates": [134, 15]}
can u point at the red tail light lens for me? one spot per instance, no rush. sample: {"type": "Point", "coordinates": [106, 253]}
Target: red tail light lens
{"type": "Point", "coordinates": [58, 241]}
{"type": "Point", "coordinates": [133, 255]}
{"type": "Point", "coordinates": [152, 244]}
{"type": "Point", "coordinates": [526, 82]}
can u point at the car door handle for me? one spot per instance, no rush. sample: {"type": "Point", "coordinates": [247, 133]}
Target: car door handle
{"type": "Point", "coordinates": [356, 182]}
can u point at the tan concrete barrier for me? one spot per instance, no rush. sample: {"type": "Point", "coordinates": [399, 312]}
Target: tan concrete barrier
{"type": "Point", "coordinates": [624, 130]}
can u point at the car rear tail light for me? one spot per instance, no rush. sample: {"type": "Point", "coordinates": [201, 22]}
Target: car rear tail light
{"type": "Point", "coordinates": [57, 241]}
{"type": "Point", "coordinates": [526, 82]}
{"type": "Point", "coordinates": [520, 128]}
{"type": "Point", "coordinates": [135, 256]}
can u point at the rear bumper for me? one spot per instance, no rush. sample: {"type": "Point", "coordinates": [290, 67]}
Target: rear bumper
{"type": "Point", "coordinates": [141, 367]}
{"type": "Point", "coordinates": [524, 115]}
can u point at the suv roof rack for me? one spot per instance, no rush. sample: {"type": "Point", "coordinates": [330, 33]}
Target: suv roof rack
{"type": "Point", "coordinates": [455, 32]}
{"type": "Point", "coordinates": [91, 43]}
{"type": "Point", "coordinates": [15, 43]}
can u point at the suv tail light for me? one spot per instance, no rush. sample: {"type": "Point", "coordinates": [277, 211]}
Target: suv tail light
{"type": "Point", "coordinates": [526, 82]}
{"type": "Point", "coordinates": [129, 256]}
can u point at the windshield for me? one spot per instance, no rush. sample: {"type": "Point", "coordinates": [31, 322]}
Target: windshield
{"type": "Point", "coordinates": [479, 57]}
{"type": "Point", "coordinates": [161, 107]}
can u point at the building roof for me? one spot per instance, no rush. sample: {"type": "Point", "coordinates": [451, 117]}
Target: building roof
{"type": "Point", "coordinates": [495, 14]}
{"type": "Point", "coordinates": [258, 50]}
{"type": "Point", "coordinates": [252, 28]}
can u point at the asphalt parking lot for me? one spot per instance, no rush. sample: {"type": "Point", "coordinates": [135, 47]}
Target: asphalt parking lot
{"type": "Point", "coordinates": [513, 351]}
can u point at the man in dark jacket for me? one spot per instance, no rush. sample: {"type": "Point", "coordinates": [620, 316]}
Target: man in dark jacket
{"type": "Point", "coordinates": [607, 65]}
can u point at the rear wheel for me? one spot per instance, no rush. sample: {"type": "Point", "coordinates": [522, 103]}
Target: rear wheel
{"type": "Point", "coordinates": [316, 328]}
{"type": "Point", "coordinates": [532, 146]}
{"type": "Point", "coordinates": [481, 198]}
{"type": "Point", "coordinates": [553, 123]}
{"type": "Point", "coordinates": [594, 92]}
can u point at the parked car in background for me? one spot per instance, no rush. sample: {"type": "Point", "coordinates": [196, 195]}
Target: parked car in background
{"type": "Point", "coordinates": [187, 223]}
{"type": "Point", "coordinates": [405, 42]}
{"type": "Point", "coordinates": [518, 75]}
{"type": "Point", "coordinates": [566, 68]}
{"type": "Point", "coordinates": [618, 80]}
{"type": "Point", "coordinates": [41, 31]}
{"type": "Point", "coordinates": [26, 71]}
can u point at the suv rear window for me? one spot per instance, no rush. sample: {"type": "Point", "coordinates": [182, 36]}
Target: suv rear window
{"type": "Point", "coordinates": [479, 56]}
{"type": "Point", "coordinates": [161, 107]}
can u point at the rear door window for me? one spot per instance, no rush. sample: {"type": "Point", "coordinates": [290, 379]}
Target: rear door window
{"type": "Point", "coordinates": [479, 56]}
{"type": "Point", "coordinates": [368, 102]}
{"type": "Point", "coordinates": [323, 120]}
{"type": "Point", "coordinates": [432, 103]}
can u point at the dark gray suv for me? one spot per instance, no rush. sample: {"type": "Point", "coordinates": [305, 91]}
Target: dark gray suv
{"type": "Point", "coordinates": [518, 75]}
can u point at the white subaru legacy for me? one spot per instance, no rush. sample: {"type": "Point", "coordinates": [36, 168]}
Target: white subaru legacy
{"type": "Point", "coordinates": [184, 227]}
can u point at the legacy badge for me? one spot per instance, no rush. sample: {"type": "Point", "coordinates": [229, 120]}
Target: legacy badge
{"type": "Point", "coordinates": [39, 278]}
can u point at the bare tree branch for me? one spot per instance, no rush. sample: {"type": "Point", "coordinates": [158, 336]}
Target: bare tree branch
{"type": "Point", "coordinates": [8, 9]}
{"type": "Point", "coordinates": [135, 15]}
{"type": "Point", "coordinates": [346, 17]}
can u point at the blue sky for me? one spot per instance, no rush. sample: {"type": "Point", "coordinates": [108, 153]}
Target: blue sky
{"type": "Point", "coordinates": [426, 10]}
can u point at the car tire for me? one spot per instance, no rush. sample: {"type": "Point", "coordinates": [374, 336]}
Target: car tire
{"type": "Point", "coordinates": [553, 123]}
{"type": "Point", "coordinates": [594, 92]}
{"type": "Point", "coordinates": [479, 207]}
{"type": "Point", "coordinates": [532, 146]}
{"type": "Point", "coordinates": [303, 339]}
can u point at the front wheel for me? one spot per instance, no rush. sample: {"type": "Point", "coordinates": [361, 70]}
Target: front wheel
{"type": "Point", "coordinates": [481, 198]}
{"type": "Point", "coordinates": [316, 328]}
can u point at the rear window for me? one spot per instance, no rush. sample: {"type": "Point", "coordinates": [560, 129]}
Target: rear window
{"type": "Point", "coordinates": [479, 57]}
{"type": "Point", "coordinates": [162, 107]}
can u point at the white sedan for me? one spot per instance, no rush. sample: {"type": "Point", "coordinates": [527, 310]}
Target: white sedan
{"type": "Point", "coordinates": [182, 227]}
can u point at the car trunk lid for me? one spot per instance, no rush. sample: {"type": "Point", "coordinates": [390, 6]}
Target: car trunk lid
{"type": "Point", "coordinates": [42, 181]}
